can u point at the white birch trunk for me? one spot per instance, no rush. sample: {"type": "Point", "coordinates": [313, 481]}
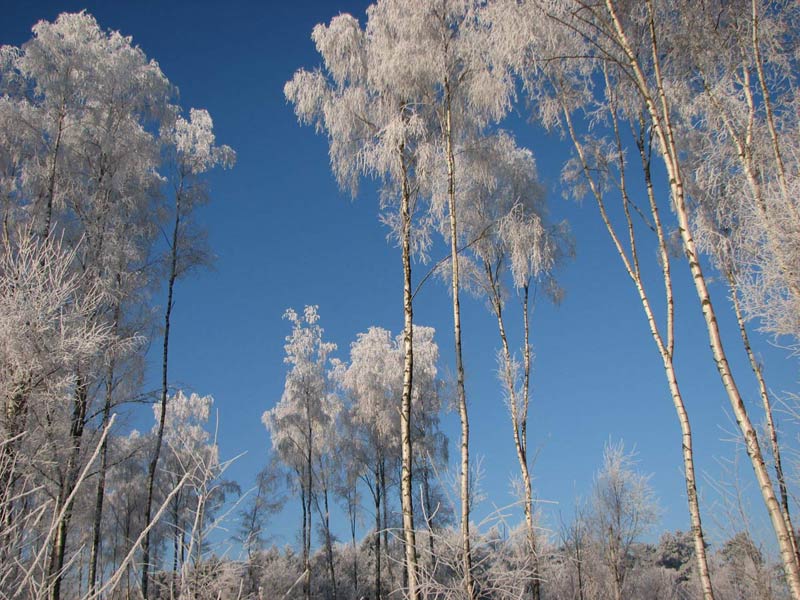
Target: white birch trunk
{"type": "Point", "coordinates": [461, 391]}
{"type": "Point", "coordinates": [662, 127]}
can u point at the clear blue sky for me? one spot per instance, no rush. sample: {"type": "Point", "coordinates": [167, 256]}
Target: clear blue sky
{"type": "Point", "coordinates": [285, 236]}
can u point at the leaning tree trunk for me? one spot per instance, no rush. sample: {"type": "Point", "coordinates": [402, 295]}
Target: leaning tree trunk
{"type": "Point", "coordinates": [662, 126]}
{"type": "Point", "coordinates": [772, 430]}
{"type": "Point", "coordinates": [743, 143]}
{"type": "Point", "coordinates": [665, 348]}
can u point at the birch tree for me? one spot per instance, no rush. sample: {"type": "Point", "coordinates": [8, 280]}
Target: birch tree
{"type": "Point", "coordinates": [468, 89]}
{"type": "Point", "coordinates": [195, 152]}
{"type": "Point", "coordinates": [741, 134]}
{"type": "Point", "coordinates": [296, 423]}
{"type": "Point", "coordinates": [506, 230]}
{"type": "Point", "coordinates": [630, 43]}
{"type": "Point", "coordinates": [368, 107]}
{"type": "Point", "coordinates": [740, 126]}
{"type": "Point", "coordinates": [84, 169]}
{"type": "Point", "coordinates": [623, 509]}
{"type": "Point", "coordinates": [604, 170]}
{"type": "Point", "coordinates": [634, 40]}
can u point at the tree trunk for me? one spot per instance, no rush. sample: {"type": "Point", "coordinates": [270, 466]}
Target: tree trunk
{"type": "Point", "coordinates": [176, 546]}
{"type": "Point", "coordinates": [772, 431]}
{"type": "Point", "coordinates": [662, 125]}
{"type": "Point", "coordinates": [377, 540]}
{"type": "Point", "coordinates": [309, 491]}
{"type": "Point", "coordinates": [78, 422]}
{"type": "Point", "coordinates": [351, 507]}
{"type": "Point", "coordinates": [519, 418]}
{"type": "Point", "coordinates": [306, 527]}
{"type": "Point", "coordinates": [385, 498]}
{"type": "Point", "coordinates": [101, 482]}
{"type": "Point", "coordinates": [51, 185]}
{"type": "Point", "coordinates": [151, 471]}
{"type": "Point", "coordinates": [406, 485]}
{"type": "Point", "coordinates": [426, 495]}
{"type": "Point", "coordinates": [461, 391]}
{"type": "Point", "coordinates": [329, 543]}
{"type": "Point", "coordinates": [99, 495]}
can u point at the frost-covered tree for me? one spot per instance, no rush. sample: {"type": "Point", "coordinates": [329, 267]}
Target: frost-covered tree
{"type": "Point", "coordinates": [297, 422]}
{"type": "Point", "coordinates": [430, 443]}
{"type": "Point", "coordinates": [468, 87]}
{"type": "Point", "coordinates": [633, 40]}
{"type": "Point", "coordinates": [504, 226]}
{"type": "Point", "coordinates": [618, 52]}
{"type": "Point", "coordinates": [372, 383]}
{"type": "Point", "coordinates": [372, 380]}
{"type": "Point", "coordinates": [741, 127]}
{"type": "Point", "coordinates": [192, 456]}
{"type": "Point", "coordinates": [600, 166]}
{"type": "Point", "coordinates": [85, 118]}
{"type": "Point", "coordinates": [623, 509]}
{"type": "Point", "coordinates": [741, 133]}
{"type": "Point", "coordinates": [264, 500]}
{"type": "Point", "coordinates": [194, 152]}
{"type": "Point", "coordinates": [48, 335]}
{"type": "Point", "coordinates": [88, 106]}
{"type": "Point", "coordinates": [369, 108]}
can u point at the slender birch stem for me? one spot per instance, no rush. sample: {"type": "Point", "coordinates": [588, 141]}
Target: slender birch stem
{"type": "Point", "coordinates": [662, 125]}
{"type": "Point", "coordinates": [151, 472]}
{"type": "Point", "coordinates": [406, 484]}
{"type": "Point", "coordinates": [665, 350]}
{"type": "Point", "coordinates": [462, 395]}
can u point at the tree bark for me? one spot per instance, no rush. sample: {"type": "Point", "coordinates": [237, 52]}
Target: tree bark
{"type": "Point", "coordinates": [377, 540]}
{"type": "Point", "coordinates": [460, 388]}
{"type": "Point", "coordinates": [665, 349]}
{"type": "Point", "coordinates": [662, 125]}
{"type": "Point", "coordinates": [58, 550]}
{"type": "Point", "coordinates": [406, 485]}
{"type": "Point", "coordinates": [151, 471]}
{"type": "Point", "coordinates": [519, 418]}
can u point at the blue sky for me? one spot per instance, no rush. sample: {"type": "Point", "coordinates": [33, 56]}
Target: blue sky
{"type": "Point", "coordinates": [285, 236]}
